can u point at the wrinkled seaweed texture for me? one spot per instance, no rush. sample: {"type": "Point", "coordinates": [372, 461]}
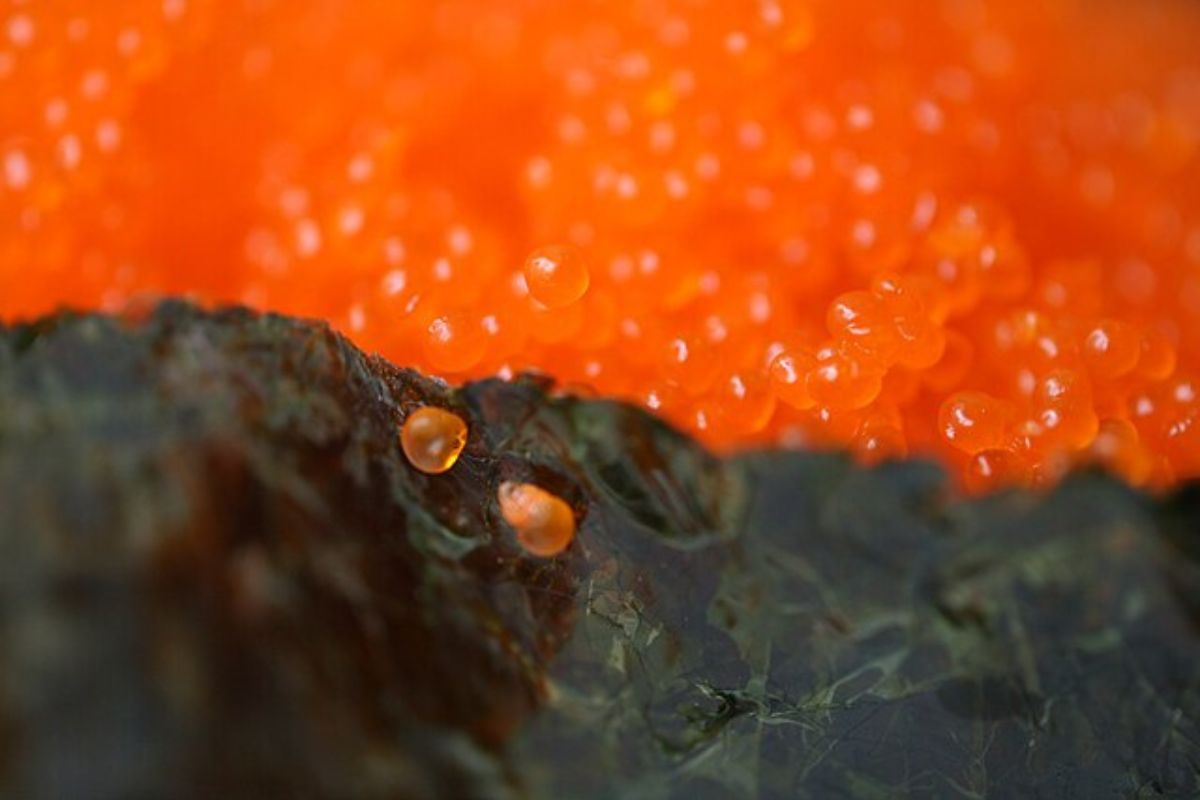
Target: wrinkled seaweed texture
{"type": "Point", "coordinates": [221, 578]}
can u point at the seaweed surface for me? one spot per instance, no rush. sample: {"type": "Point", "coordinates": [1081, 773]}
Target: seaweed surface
{"type": "Point", "coordinates": [221, 578]}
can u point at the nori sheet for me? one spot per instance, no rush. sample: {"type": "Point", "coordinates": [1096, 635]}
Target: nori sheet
{"type": "Point", "coordinates": [220, 578]}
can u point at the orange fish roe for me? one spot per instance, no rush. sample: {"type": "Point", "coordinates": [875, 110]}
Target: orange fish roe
{"type": "Point", "coordinates": [960, 228]}
{"type": "Point", "coordinates": [545, 524]}
{"type": "Point", "coordinates": [556, 276]}
{"type": "Point", "coordinates": [433, 439]}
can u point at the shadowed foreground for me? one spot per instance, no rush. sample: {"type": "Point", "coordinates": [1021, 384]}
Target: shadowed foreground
{"type": "Point", "coordinates": [221, 578]}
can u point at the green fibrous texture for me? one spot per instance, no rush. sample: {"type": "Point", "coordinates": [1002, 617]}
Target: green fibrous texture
{"type": "Point", "coordinates": [222, 579]}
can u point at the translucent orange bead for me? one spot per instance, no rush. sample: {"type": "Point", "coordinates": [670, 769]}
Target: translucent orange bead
{"type": "Point", "coordinates": [1004, 267]}
{"type": "Point", "coordinates": [1182, 442]}
{"type": "Point", "coordinates": [831, 427]}
{"type": "Point", "coordinates": [901, 386]}
{"type": "Point", "coordinates": [789, 373]}
{"type": "Point", "coordinates": [455, 342]}
{"type": "Point", "coordinates": [974, 421]}
{"type": "Point", "coordinates": [507, 333]}
{"type": "Point", "coordinates": [690, 363]}
{"type": "Point", "coordinates": [556, 326]}
{"type": "Point", "coordinates": [1021, 329]}
{"type": "Point", "coordinates": [1111, 349]}
{"type": "Point", "coordinates": [1031, 339]}
{"type": "Point", "coordinates": [949, 370]}
{"type": "Point", "coordinates": [920, 341]}
{"type": "Point", "coordinates": [921, 346]}
{"type": "Point", "coordinates": [1158, 356]}
{"type": "Point", "coordinates": [557, 276]}
{"type": "Point", "coordinates": [989, 470]}
{"type": "Point", "coordinates": [1063, 399]}
{"type": "Point", "coordinates": [842, 381]}
{"type": "Point", "coordinates": [599, 324]}
{"type": "Point", "coordinates": [432, 439]}
{"type": "Point", "coordinates": [1117, 446]}
{"type": "Point", "coordinates": [704, 419]}
{"type": "Point", "coordinates": [1048, 468]}
{"type": "Point", "coordinates": [746, 402]}
{"type": "Point", "coordinates": [879, 439]}
{"type": "Point", "coordinates": [544, 523]}
{"type": "Point", "coordinates": [661, 398]}
{"type": "Point", "coordinates": [862, 320]}
{"type": "Point", "coordinates": [951, 257]}
{"type": "Point", "coordinates": [1072, 283]}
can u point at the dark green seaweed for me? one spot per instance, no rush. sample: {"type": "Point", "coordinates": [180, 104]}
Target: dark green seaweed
{"type": "Point", "coordinates": [220, 578]}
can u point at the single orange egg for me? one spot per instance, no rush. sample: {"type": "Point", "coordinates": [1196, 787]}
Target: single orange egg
{"type": "Point", "coordinates": [455, 342]}
{"type": "Point", "coordinates": [958, 355]}
{"type": "Point", "coordinates": [878, 440]}
{"type": "Point", "coordinates": [1118, 447]}
{"type": "Point", "coordinates": [789, 371]}
{"type": "Point", "coordinates": [974, 421]}
{"type": "Point", "coordinates": [432, 439]}
{"type": "Point", "coordinates": [1111, 349]}
{"type": "Point", "coordinates": [861, 320]}
{"type": "Point", "coordinates": [989, 470]}
{"type": "Point", "coordinates": [556, 276]}
{"type": "Point", "coordinates": [1066, 409]}
{"type": "Point", "coordinates": [544, 523]}
{"type": "Point", "coordinates": [1158, 356]}
{"type": "Point", "coordinates": [842, 380]}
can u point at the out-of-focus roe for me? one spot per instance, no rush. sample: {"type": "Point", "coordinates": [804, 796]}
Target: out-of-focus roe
{"type": "Point", "coordinates": [968, 228]}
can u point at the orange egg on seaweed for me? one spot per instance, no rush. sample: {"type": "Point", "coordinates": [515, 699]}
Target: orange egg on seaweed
{"type": "Point", "coordinates": [544, 523]}
{"type": "Point", "coordinates": [432, 439]}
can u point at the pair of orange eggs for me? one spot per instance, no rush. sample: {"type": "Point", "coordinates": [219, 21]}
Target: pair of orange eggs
{"type": "Point", "coordinates": [433, 438]}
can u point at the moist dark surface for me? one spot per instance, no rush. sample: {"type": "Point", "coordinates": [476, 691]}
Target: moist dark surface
{"type": "Point", "coordinates": [221, 578]}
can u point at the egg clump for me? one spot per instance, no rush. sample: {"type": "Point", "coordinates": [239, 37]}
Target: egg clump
{"type": "Point", "coordinates": [965, 229]}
